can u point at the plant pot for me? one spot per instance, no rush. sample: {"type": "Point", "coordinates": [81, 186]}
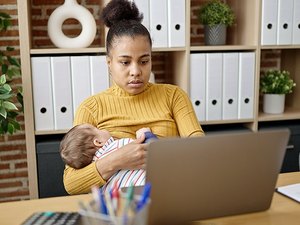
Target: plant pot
{"type": "Point", "coordinates": [215, 35]}
{"type": "Point", "coordinates": [273, 103]}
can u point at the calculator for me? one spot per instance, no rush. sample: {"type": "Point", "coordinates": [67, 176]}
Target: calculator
{"type": "Point", "coordinates": [53, 218]}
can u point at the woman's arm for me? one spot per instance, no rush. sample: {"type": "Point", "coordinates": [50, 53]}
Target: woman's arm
{"type": "Point", "coordinates": [79, 181]}
{"type": "Point", "coordinates": [130, 156]}
{"type": "Point", "coordinates": [185, 116]}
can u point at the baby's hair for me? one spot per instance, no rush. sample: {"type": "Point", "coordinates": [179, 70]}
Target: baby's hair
{"type": "Point", "coordinates": [124, 19]}
{"type": "Point", "coordinates": [77, 148]}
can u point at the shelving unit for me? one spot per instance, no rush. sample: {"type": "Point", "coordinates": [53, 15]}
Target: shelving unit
{"type": "Point", "coordinates": [244, 36]}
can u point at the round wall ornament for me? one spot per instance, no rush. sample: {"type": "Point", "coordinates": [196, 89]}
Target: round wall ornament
{"type": "Point", "coordinates": [71, 9]}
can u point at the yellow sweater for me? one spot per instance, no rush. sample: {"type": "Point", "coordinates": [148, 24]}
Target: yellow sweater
{"type": "Point", "coordinates": [164, 108]}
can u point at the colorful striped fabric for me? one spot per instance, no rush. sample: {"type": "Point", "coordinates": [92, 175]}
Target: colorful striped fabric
{"type": "Point", "coordinates": [124, 178]}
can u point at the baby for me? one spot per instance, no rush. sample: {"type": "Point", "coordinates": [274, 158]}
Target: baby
{"type": "Point", "coordinates": [84, 143]}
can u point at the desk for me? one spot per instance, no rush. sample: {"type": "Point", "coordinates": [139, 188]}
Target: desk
{"type": "Point", "coordinates": [282, 211]}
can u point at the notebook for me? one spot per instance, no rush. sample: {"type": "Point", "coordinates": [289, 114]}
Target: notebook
{"type": "Point", "coordinates": [213, 176]}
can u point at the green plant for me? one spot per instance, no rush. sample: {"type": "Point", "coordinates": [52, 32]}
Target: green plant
{"type": "Point", "coordinates": [216, 12]}
{"type": "Point", "coordinates": [9, 68]}
{"type": "Point", "coordinates": [276, 82]}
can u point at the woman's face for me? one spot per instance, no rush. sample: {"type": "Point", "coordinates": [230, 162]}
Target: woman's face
{"type": "Point", "coordinates": [130, 63]}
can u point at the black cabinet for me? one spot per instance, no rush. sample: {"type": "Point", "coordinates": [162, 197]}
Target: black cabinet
{"type": "Point", "coordinates": [50, 169]}
{"type": "Point", "coordinates": [291, 162]}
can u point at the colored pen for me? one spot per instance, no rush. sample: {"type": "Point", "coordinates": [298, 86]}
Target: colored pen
{"type": "Point", "coordinates": [145, 197]}
{"type": "Point", "coordinates": [103, 204]}
{"type": "Point", "coordinates": [96, 197]}
{"type": "Point", "coordinates": [129, 199]}
{"type": "Point", "coordinates": [115, 197]}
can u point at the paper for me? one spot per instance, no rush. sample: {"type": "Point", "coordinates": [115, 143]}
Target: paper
{"type": "Point", "coordinates": [292, 191]}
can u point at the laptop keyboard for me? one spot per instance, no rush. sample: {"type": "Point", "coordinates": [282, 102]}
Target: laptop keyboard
{"type": "Point", "coordinates": [53, 218]}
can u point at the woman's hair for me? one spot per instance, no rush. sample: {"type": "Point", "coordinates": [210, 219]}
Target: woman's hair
{"type": "Point", "coordinates": [123, 18]}
{"type": "Point", "coordinates": [77, 148]}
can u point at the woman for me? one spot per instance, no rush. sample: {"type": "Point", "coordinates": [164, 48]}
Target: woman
{"type": "Point", "coordinates": [131, 103]}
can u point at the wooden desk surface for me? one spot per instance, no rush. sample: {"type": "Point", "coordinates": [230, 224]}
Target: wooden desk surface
{"type": "Point", "coordinates": [282, 211]}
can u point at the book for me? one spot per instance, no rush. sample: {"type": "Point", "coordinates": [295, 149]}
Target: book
{"type": "Point", "coordinates": [292, 191]}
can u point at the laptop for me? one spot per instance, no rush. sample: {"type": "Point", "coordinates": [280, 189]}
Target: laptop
{"type": "Point", "coordinates": [213, 176]}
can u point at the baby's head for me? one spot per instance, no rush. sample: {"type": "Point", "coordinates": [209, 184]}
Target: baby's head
{"type": "Point", "coordinates": [79, 145]}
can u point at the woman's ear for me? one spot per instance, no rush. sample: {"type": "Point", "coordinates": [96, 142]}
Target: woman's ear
{"type": "Point", "coordinates": [97, 142]}
{"type": "Point", "coordinates": [108, 60]}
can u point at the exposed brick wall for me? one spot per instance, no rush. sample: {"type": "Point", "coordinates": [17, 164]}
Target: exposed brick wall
{"type": "Point", "coordinates": [13, 163]}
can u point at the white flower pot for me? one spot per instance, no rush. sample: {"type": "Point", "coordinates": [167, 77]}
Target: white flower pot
{"type": "Point", "coordinates": [273, 103]}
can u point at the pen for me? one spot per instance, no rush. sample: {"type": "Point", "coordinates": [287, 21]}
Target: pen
{"type": "Point", "coordinates": [145, 197]}
{"type": "Point", "coordinates": [129, 198]}
{"type": "Point", "coordinates": [103, 204]}
{"type": "Point", "coordinates": [96, 197]}
{"type": "Point", "coordinates": [115, 197]}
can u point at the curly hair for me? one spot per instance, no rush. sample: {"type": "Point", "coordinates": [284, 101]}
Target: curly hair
{"type": "Point", "coordinates": [123, 18]}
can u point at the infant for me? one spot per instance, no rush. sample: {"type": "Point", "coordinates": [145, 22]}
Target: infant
{"type": "Point", "coordinates": [84, 143]}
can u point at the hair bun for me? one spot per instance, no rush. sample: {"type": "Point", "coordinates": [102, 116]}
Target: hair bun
{"type": "Point", "coordinates": [118, 10]}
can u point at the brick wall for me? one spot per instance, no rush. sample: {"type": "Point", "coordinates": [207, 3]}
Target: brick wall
{"type": "Point", "coordinates": [13, 165]}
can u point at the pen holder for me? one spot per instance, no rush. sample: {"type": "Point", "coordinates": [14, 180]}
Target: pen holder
{"type": "Point", "coordinates": [92, 217]}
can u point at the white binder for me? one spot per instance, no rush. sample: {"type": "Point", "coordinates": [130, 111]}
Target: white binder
{"type": "Point", "coordinates": [176, 23]}
{"type": "Point", "coordinates": [285, 22]}
{"type": "Point", "coordinates": [42, 93]}
{"type": "Point", "coordinates": [81, 82]}
{"type": "Point", "coordinates": [159, 23]}
{"type": "Point", "coordinates": [198, 83]}
{"type": "Point", "coordinates": [230, 86]}
{"type": "Point", "coordinates": [214, 67]}
{"type": "Point", "coordinates": [246, 85]}
{"type": "Point", "coordinates": [143, 6]}
{"type": "Point", "coordinates": [296, 23]}
{"type": "Point", "coordinates": [269, 22]}
{"type": "Point", "coordinates": [62, 92]}
{"type": "Point", "coordinates": [99, 74]}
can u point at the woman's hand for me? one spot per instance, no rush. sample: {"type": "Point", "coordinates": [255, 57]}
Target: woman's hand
{"type": "Point", "coordinates": [131, 156]}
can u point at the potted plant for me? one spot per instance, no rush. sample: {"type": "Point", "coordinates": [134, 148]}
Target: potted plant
{"type": "Point", "coordinates": [9, 68]}
{"type": "Point", "coordinates": [274, 85]}
{"type": "Point", "coordinates": [216, 16]}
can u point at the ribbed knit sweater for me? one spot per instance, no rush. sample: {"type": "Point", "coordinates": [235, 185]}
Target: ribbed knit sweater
{"type": "Point", "coordinates": [164, 108]}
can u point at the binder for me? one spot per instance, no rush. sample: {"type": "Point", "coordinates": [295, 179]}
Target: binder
{"type": "Point", "coordinates": [296, 23]}
{"type": "Point", "coordinates": [81, 82]}
{"type": "Point", "coordinates": [159, 23]}
{"type": "Point", "coordinates": [198, 83]}
{"type": "Point", "coordinates": [214, 67]}
{"type": "Point", "coordinates": [143, 6]}
{"type": "Point", "coordinates": [246, 85]}
{"type": "Point", "coordinates": [99, 74]}
{"type": "Point", "coordinates": [62, 92]}
{"type": "Point", "coordinates": [42, 93]}
{"type": "Point", "coordinates": [230, 86]}
{"type": "Point", "coordinates": [269, 22]}
{"type": "Point", "coordinates": [285, 22]}
{"type": "Point", "coordinates": [176, 23]}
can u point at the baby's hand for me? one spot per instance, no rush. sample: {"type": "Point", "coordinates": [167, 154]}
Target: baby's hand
{"type": "Point", "coordinates": [142, 131]}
